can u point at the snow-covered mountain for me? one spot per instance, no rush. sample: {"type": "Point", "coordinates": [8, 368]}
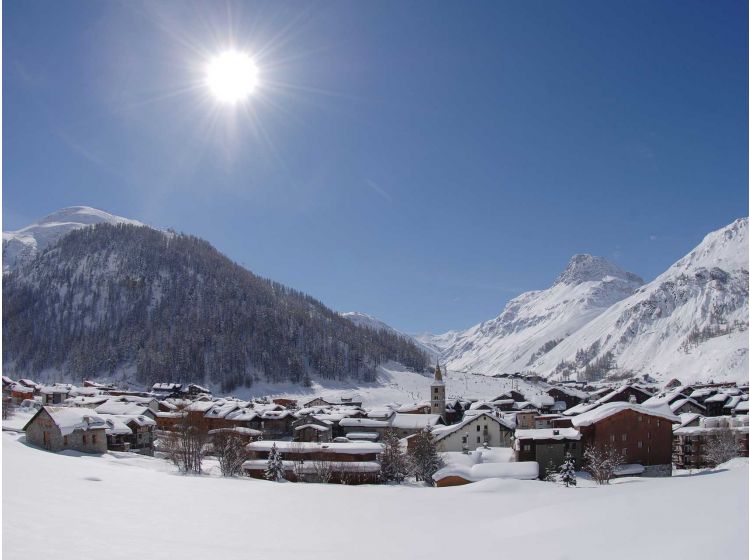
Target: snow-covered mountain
{"type": "Point", "coordinates": [534, 322]}
{"type": "Point", "coordinates": [690, 322]}
{"type": "Point", "coordinates": [22, 245]}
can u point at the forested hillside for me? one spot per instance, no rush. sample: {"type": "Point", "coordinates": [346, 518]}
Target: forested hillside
{"type": "Point", "coordinates": [118, 298]}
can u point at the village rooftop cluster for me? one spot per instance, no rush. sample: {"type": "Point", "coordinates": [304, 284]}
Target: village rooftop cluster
{"type": "Point", "coordinates": [633, 428]}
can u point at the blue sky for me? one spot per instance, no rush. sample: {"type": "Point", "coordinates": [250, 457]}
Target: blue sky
{"type": "Point", "coordinates": [420, 161]}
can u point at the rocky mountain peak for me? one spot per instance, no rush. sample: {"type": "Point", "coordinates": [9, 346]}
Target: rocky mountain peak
{"type": "Point", "coordinates": [587, 268]}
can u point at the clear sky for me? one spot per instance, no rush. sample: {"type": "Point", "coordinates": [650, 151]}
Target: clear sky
{"type": "Point", "coordinates": [420, 161]}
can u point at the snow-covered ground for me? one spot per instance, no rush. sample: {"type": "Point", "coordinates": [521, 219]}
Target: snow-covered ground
{"type": "Point", "coordinates": [396, 385]}
{"type": "Point", "coordinates": [119, 506]}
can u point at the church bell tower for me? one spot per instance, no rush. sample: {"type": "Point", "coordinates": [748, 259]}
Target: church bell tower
{"type": "Point", "coordinates": [437, 393]}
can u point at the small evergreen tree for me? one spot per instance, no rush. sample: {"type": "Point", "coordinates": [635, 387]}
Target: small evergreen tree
{"type": "Point", "coordinates": [550, 472]}
{"type": "Point", "coordinates": [568, 471]}
{"type": "Point", "coordinates": [393, 462]}
{"type": "Point", "coordinates": [275, 467]}
{"type": "Point", "coordinates": [424, 460]}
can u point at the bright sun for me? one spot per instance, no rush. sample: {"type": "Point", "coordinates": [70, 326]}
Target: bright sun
{"type": "Point", "coordinates": [231, 76]}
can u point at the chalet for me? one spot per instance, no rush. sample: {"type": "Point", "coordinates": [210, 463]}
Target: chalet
{"type": "Point", "coordinates": [56, 394]}
{"type": "Point", "coordinates": [7, 384]}
{"type": "Point", "coordinates": [350, 463]}
{"type": "Point", "coordinates": [686, 404]}
{"type": "Point", "coordinates": [20, 393]}
{"type": "Point", "coordinates": [56, 429]}
{"type": "Point", "coordinates": [168, 421]}
{"type": "Point", "coordinates": [286, 403]}
{"type": "Point", "coordinates": [483, 430]}
{"type": "Point", "coordinates": [547, 446]}
{"type": "Point", "coordinates": [166, 390]}
{"type": "Point", "coordinates": [310, 428]}
{"type": "Point", "coordinates": [642, 434]}
{"type": "Point", "coordinates": [569, 396]}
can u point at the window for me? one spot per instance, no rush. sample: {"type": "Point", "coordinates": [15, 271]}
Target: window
{"type": "Point", "coordinates": [84, 439]}
{"type": "Point", "coordinates": [612, 437]}
{"type": "Point", "coordinates": [527, 447]}
{"type": "Point", "coordinates": [625, 452]}
{"type": "Point", "coordinates": [479, 439]}
{"type": "Point", "coordinates": [625, 437]}
{"type": "Point", "coordinates": [640, 418]}
{"type": "Point", "coordinates": [65, 440]}
{"type": "Point", "coordinates": [640, 445]}
{"type": "Point", "coordinates": [657, 422]}
{"type": "Point", "coordinates": [478, 428]}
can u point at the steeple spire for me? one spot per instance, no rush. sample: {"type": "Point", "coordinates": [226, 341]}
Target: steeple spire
{"type": "Point", "coordinates": [438, 373]}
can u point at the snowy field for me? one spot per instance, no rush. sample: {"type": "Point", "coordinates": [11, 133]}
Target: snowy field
{"type": "Point", "coordinates": [118, 506]}
{"type": "Point", "coordinates": [395, 385]}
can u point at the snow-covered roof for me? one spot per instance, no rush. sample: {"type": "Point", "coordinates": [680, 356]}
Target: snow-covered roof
{"type": "Point", "coordinates": [363, 423]}
{"type": "Point", "coordinates": [354, 448]}
{"type": "Point", "coordinates": [200, 406]}
{"type": "Point", "coordinates": [317, 427]}
{"type": "Point", "coordinates": [366, 436]}
{"type": "Point", "coordinates": [69, 419]}
{"type": "Point", "coordinates": [138, 420]}
{"type": "Point", "coordinates": [676, 405]}
{"type": "Point", "coordinates": [571, 391]}
{"type": "Point", "coordinates": [237, 430]}
{"type": "Point", "coordinates": [549, 433]}
{"type": "Point", "coordinates": [523, 470]}
{"type": "Point", "coordinates": [115, 426]}
{"type": "Point", "coordinates": [414, 421]}
{"type": "Point", "coordinates": [717, 398]}
{"type": "Point", "coordinates": [610, 409]}
{"type": "Point", "coordinates": [114, 406]}
{"type": "Point", "coordinates": [312, 467]}
{"type": "Point", "coordinates": [580, 408]}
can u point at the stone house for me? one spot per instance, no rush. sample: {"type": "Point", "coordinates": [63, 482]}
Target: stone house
{"type": "Point", "coordinates": [59, 428]}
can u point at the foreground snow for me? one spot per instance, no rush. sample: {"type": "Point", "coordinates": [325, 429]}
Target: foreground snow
{"type": "Point", "coordinates": [119, 505]}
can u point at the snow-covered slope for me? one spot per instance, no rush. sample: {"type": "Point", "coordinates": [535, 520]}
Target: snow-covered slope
{"type": "Point", "coordinates": [22, 245]}
{"type": "Point", "coordinates": [534, 322]}
{"type": "Point", "coordinates": [690, 322]}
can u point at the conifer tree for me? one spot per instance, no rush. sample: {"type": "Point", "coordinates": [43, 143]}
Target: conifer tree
{"type": "Point", "coordinates": [275, 466]}
{"type": "Point", "coordinates": [568, 471]}
{"type": "Point", "coordinates": [424, 458]}
{"type": "Point", "coordinates": [393, 462]}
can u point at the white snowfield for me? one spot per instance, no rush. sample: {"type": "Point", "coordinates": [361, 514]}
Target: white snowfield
{"type": "Point", "coordinates": [121, 506]}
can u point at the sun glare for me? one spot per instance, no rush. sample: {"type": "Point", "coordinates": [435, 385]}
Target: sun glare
{"type": "Point", "coordinates": [232, 76]}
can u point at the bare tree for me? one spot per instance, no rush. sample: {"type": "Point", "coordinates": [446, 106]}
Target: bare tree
{"type": "Point", "coordinates": [230, 451]}
{"type": "Point", "coordinates": [602, 462]}
{"type": "Point", "coordinates": [9, 408]}
{"type": "Point", "coordinates": [721, 445]}
{"type": "Point", "coordinates": [185, 445]}
{"type": "Point", "coordinates": [322, 471]}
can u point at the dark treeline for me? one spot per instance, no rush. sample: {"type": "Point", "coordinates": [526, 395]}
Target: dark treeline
{"type": "Point", "coordinates": [108, 297]}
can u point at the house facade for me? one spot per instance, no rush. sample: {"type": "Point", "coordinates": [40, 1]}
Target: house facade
{"type": "Point", "coordinates": [58, 428]}
{"type": "Point", "coordinates": [482, 430]}
{"type": "Point", "coordinates": [643, 435]}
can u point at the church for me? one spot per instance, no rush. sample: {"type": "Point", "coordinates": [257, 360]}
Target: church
{"type": "Point", "coordinates": [437, 393]}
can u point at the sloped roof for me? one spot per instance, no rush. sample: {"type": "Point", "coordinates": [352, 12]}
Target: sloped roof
{"type": "Point", "coordinates": [610, 409]}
